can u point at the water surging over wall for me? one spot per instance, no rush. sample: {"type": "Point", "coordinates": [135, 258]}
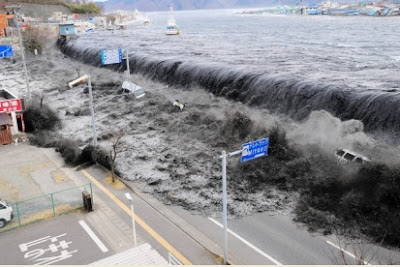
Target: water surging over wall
{"type": "Point", "coordinates": [379, 110]}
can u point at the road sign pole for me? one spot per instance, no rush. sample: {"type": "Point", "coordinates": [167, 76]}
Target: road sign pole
{"type": "Point", "coordinates": [262, 148]}
{"type": "Point", "coordinates": [224, 206]}
{"type": "Point", "coordinates": [92, 111]}
{"type": "Point", "coordinates": [127, 64]}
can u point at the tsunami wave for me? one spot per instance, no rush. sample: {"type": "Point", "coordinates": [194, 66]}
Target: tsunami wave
{"type": "Point", "coordinates": [378, 110]}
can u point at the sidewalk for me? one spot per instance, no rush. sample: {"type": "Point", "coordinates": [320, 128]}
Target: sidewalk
{"type": "Point", "coordinates": [107, 222]}
{"type": "Point", "coordinates": [27, 171]}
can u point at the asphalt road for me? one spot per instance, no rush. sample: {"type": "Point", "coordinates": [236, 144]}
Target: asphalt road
{"type": "Point", "coordinates": [263, 239]}
{"type": "Point", "coordinates": [260, 239]}
{"type": "Point", "coordinates": [62, 241]}
{"type": "Point", "coordinates": [177, 238]}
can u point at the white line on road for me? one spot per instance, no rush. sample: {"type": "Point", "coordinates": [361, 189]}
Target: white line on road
{"type": "Point", "coordinates": [93, 236]}
{"type": "Point", "coordinates": [247, 243]}
{"type": "Point", "coordinates": [346, 252]}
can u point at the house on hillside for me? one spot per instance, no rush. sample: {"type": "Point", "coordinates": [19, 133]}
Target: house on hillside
{"type": "Point", "coordinates": [99, 21]}
{"type": "Point", "coordinates": [6, 21]}
{"type": "Point", "coordinates": [56, 17]}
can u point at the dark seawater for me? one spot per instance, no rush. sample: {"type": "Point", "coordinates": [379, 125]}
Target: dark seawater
{"type": "Point", "coordinates": [293, 65]}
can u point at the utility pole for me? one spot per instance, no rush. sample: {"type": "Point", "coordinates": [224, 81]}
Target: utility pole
{"type": "Point", "coordinates": [15, 9]}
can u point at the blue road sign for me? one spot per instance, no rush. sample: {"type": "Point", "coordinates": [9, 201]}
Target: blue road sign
{"type": "Point", "coordinates": [6, 51]}
{"type": "Point", "coordinates": [112, 56]}
{"type": "Point", "coordinates": [255, 149]}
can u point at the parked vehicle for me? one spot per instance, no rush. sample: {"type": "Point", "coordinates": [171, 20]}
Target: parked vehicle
{"type": "Point", "coordinates": [6, 213]}
{"type": "Point", "coordinates": [345, 155]}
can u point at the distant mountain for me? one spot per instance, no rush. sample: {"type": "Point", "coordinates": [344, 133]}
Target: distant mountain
{"type": "Point", "coordinates": [161, 5]}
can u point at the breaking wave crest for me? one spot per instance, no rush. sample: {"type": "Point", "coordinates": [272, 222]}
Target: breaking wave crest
{"type": "Point", "coordinates": [379, 110]}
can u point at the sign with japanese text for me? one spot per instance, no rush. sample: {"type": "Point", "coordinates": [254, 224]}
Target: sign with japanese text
{"type": "Point", "coordinates": [112, 56]}
{"type": "Point", "coordinates": [47, 250]}
{"type": "Point", "coordinates": [255, 149]}
{"type": "Point", "coordinates": [10, 105]}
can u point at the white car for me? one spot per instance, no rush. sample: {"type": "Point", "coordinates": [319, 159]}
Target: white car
{"type": "Point", "coordinates": [6, 213]}
{"type": "Point", "coordinates": [345, 155]}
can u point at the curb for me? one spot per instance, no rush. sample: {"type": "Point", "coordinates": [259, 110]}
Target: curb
{"type": "Point", "coordinates": [203, 240]}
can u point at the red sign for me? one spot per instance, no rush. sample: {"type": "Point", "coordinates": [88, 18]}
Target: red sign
{"type": "Point", "coordinates": [10, 105]}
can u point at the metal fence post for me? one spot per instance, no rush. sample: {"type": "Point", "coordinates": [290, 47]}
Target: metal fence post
{"type": "Point", "coordinates": [18, 215]}
{"type": "Point", "coordinates": [52, 205]}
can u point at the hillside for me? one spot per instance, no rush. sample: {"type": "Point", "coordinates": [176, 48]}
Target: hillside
{"type": "Point", "coordinates": [41, 2]}
{"type": "Point", "coordinates": [37, 8]}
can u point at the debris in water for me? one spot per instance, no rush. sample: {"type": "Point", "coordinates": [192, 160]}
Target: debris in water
{"type": "Point", "coordinates": [178, 104]}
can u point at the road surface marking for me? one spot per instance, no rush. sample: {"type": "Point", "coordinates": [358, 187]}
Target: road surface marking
{"type": "Point", "coordinates": [144, 225]}
{"type": "Point", "coordinates": [96, 240]}
{"type": "Point", "coordinates": [346, 252]}
{"type": "Point", "coordinates": [248, 243]}
{"type": "Point", "coordinates": [46, 250]}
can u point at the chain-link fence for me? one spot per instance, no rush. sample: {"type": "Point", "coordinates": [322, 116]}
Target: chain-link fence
{"type": "Point", "coordinates": [46, 206]}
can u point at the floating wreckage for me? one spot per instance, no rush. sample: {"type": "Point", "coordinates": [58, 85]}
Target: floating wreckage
{"type": "Point", "coordinates": [346, 155]}
{"type": "Point", "coordinates": [133, 88]}
{"type": "Point", "coordinates": [178, 104]}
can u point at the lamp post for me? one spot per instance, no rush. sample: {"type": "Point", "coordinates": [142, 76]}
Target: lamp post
{"type": "Point", "coordinates": [85, 78]}
{"type": "Point", "coordinates": [92, 112]}
{"type": "Point", "coordinates": [128, 196]}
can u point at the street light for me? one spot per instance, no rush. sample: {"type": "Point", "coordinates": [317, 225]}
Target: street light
{"type": "Point", "coordinates": [128, 196]}
{"type": "Point", "coordinates": [85, 78]}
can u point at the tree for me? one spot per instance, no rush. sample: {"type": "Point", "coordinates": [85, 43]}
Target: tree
{"type": "Point", "coordinates": [36, 38]}
{"type": "Point", "coordinates": [88, 8]}
{"type": "Point", "coordinates": [115, 150]}
{"type": "Point", "coordinates": [356, 249]}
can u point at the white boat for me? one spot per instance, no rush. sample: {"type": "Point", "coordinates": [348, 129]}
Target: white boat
{"type": "Point", "coordinates": [171, 28]}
